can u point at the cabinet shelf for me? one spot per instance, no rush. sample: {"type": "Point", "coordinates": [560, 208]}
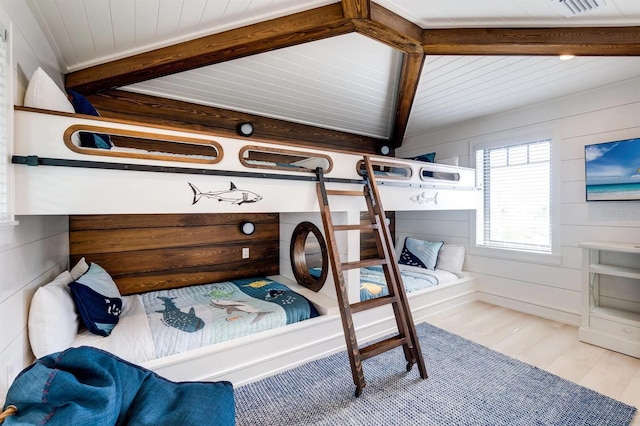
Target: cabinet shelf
{"type": "Point", "coordinates": [618, 271]}
{"type": "Point", "coordinates": [611, 328]}
{"type": "Point", "coordinates": [613, 314]}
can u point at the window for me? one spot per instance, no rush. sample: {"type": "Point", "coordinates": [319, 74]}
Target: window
{"type": "Point", "coordinates": [516, 183]}
{"type": "Point", "coordinates": [6, 108]}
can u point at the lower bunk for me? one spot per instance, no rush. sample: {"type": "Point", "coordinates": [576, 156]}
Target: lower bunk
{"type": "Point", "coordinates": [250, 358]}
{"type": "Point", "coordinates": [275, 340]}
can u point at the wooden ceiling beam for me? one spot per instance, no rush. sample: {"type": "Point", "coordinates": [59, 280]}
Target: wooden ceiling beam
{"type": "Point", "coordinates": [157, 111]}
{"type": "Point", "coordinates": [587, 41]}
{"type": "Point", "coordinates": [356, 9]}
{"type": "Point", "coordinates": [412, 64]}
{"type": "Point", "coordinates": [303, 27]}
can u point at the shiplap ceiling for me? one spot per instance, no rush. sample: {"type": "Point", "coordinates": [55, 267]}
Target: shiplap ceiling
{"type": "Point", "coordinates": [347, 82]}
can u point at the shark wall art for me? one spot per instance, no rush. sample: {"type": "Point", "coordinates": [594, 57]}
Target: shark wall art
{"type": "Point", "coordinates": [232, 195]}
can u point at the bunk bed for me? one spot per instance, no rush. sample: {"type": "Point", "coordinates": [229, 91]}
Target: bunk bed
{"type": "Point", "coordinates": [170, 172]}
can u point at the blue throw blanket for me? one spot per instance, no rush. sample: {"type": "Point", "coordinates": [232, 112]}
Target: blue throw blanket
{"type": "Point", "coordinates": [87, 386]}
{"type": "Point", "coordinates": [192, 317]}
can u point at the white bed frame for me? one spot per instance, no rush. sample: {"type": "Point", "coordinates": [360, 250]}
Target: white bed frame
{"type": "Point", "coordinates": [254, 357]}
{"type": "Point", "coordinates": [79, 190]}
{"type": "Point", "coordinates": [39, 135]}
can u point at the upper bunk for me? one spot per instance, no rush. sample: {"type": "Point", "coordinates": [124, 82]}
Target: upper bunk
{"type": "Point", "coordinates": [134, 168]}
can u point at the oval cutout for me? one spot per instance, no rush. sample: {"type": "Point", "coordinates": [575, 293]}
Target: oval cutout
{"type": "Point", "coordinates": [426, 174]}
{"type": "Point", "coordinates": [385, 170]}
{"type": "Point", "coordinates": [133, 144]}
{"type": "Point", "coordinates": [309, 256]}
{"type": "Point", "coordinates": [261, 157]}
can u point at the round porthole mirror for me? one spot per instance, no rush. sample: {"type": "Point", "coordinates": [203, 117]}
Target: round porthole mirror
{"type": "Point", "coordinates": [309, 258]}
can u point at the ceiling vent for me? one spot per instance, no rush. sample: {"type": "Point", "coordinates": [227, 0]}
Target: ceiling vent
{"type": "Point", "coordinates": [577, 7]}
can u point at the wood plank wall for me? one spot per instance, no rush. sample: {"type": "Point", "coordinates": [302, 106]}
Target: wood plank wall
{"type": "Point", "coordinates": [152, 252]}
{"type": "Point", "coordinates": [368, 249]}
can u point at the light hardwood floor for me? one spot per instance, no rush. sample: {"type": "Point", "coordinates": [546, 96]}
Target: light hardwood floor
{"type": "Point", "coordinates": [548, 345]}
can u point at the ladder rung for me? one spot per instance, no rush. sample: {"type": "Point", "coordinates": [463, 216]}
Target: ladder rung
{"type": "Point", "coordinates": [363, 263]}
{"type": "Point", "coordinates": [372, 303]}
{"type": "Point", "coordinates": [344, 192]}
{"type": "Point", "coordinates": [358, 226]}
{"type": "Point", "coordinates": [383, 346]}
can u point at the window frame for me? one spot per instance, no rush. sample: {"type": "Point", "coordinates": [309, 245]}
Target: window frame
{"type": "Point", "coordinates": [8, 221]}
{"type": "Point", "coordinates": [518, 137]}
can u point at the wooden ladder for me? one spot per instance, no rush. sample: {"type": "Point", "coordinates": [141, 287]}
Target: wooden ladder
{"type": "Point", "coordinates": [407, 336]}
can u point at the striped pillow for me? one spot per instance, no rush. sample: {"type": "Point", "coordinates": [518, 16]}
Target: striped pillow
{"type": "Point", "coordinates": [423, 254]}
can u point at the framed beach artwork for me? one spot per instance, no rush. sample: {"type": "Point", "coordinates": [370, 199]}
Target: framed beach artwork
{"type": "Point", "coordinates": [612, 170]}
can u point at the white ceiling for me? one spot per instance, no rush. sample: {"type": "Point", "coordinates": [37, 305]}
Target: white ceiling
{"type": "Point", "coordinates": [347, 82]}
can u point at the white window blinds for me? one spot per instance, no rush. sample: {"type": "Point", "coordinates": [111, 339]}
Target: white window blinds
{"type": "Point", "coordinates": [5, 96]}
{"type": "Point", "coordinates": [516, 196]}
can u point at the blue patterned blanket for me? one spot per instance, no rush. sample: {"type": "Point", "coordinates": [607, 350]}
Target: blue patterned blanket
{"type": "Point", "coordinates": [191, 317]}
{"type": "Point", "coordinates": [373, 283]}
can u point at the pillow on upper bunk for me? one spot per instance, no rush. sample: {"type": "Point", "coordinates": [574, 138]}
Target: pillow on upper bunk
{"type": "Point", "coordinates": [42, 92]}
{"type": "Point", "coordinates": [451, 258]}
{"type": "Point", "coordinates": [53, 321]}
{"type": "Point", "coordinates": [427, 158]}
{"type": "Point", "coordinates": [97, 299]}
{"type": "Point", "coordinates": [421, 253]}
{"type": "Point", "coordinates": [81, 105]}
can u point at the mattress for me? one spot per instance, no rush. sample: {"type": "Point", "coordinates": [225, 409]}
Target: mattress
{"type": "Point", "coordinates": [162, 323]}
{"type": "Point", "coordinates": [373, 283]}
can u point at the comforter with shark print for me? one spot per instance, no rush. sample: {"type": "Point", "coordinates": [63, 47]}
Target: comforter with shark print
{"type": "Point", "coordinates": [191, 317]}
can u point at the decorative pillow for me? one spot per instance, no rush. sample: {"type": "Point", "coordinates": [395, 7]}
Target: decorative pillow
{"type": "Point", "coordinates": [97, 299]}
{"type": "Point", "coordinates": [423, 254]}
{"type": "Point", "coordinates": [81, 105]}
{"type": "Point", "coordinates": [43, 92]}
{"type": "Point", "coordinates": [79, 269]}
{"type": "Point", "coordinates": [451, 258]}
{"type": "Point", "coordinates": [53, 321]}
{"type": "Point", "coordinates": [428, 158]}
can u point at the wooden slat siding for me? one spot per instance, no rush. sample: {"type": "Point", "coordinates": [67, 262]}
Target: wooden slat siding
{"type": "Point", "coordinates": [147, 252]}
{"type": "Point", "coordinates": [152, 110]}
{"type": "Point", "coordinates": [587, 41]}
{"type": "Point", "coordinates": [412, 64]}
{"type": "Point", "coordinates": [132, 284]}
{"type": "Point", "coordinates": [150, 260]}
{"type": "Point", "coordinates": [183, 148]}
{"type": "Point", "coordinates": [368, 247]}
{"type": "Point", "coordinates": [114, 240]}
{"type": "Point", "coordinates": [315, 24]}
{"type": "Point", "coordinates": [128, 221]}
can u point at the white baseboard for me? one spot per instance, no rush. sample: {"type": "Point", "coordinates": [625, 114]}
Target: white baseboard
{"type": "Point", "coordinates": [571, 318]}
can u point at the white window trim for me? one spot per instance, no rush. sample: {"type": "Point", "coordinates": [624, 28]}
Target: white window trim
{"type": "Point", "coordinates": [523, 135]}
{"type": "Point", "coordinates": [10, 222]}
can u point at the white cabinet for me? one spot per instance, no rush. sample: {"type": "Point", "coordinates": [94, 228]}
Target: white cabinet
{"type": "Point", "coordinates": [616, 328]}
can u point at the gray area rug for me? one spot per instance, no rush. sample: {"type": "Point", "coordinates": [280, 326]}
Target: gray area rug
{"type": "Point", "coordinates": [468, 384]}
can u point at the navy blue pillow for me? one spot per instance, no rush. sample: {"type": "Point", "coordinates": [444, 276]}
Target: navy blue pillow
{"type": "Point", "coordinates": [97, 300]}
{"type": "Point", "coordinates": [81, 105]}
{"type": "Point", "coordinates": [423, 254]}
{"type": "Point", "coordinates": [428, 158]}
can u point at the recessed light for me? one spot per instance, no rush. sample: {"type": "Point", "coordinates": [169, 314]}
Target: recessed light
{"type": "Point", "coordinates": [245, 129]}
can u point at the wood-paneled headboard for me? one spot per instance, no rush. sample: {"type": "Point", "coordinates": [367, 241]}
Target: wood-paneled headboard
{"type": "Point", "coordinates": [153, 252]}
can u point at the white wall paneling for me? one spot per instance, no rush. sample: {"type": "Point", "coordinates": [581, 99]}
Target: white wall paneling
{"type": "Point", "coordinates": [599, 115]}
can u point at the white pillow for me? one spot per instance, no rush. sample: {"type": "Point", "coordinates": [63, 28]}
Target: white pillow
{"type": "Point", "coordinates": [43, 92]}
{"type": "Point", "coordinates": [53, 321]}
{"type": "Point", "coordinates": [451, 258]}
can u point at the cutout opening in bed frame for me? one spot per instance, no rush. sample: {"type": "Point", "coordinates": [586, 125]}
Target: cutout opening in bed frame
{"type": "Point", "coordinates": [426, 174]}
{"type": "Point", "coordinates": [261, 157]}
{"type": "Point", "coordinates": [309, 256]}
{"type": "Point", "coordinates": [134, 144]}
{"type": "Point", "coordinates": [386, 170]}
